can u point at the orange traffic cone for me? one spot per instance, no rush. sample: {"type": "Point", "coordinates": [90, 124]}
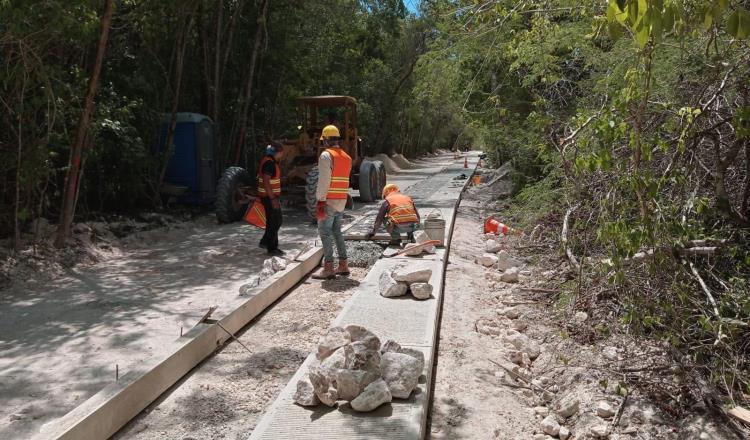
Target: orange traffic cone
{"type": "Point", "coordinates": [495, 227]}
{"type": "Point", "coordinates": [466, 162]}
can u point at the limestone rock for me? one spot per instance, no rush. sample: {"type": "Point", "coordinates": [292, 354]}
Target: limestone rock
{"type": "Point", "coordinates": [509, 312]}
{"type": "Point", "coordinates": [421, 290]}
{"type": "Point", "coordinates": [324, 389]}
{"type": "Point", "coordinates": [489, 236]}
{"type": "Point", "coordinates": [519, 358]}
{"type": "Point", "coordinates": [541, 411]}
{"type": "Point", "coordinates": [389, 287]}
{"type": "Point", "coordinates": [390, 345]}
{"type": "Point", "coordinates": [580, 317]}
{"type": "Point", "coordinates": [487, 260]}
{"type": "Point", "coordinates": [510, 275]}
{"type": "Point", "coordinates": [374, 395]}
{"type": "Point", "coordinates": [305, 394]}
{"type": "Point", "coordinates": [610, 353]}
{"type": "Point", "coordinates": [250, 285]}
{"type": "Point", "coordinates": [401, 372]}
{"type": "Point", "coordinates": [550, 426]}
{"type": "Point", "coordinates": [505, 261]}
{"type": "Point", "coordinates": [492, 246]}
{"type": "Point", "coordinates": [351, 383]}
{"type": "Point", "coordinates": [604, 410]}
{"type": "Point", "coordinates": [421, 237]}
{"type": "Point", "coordinates": [412, 275]}
{"type": "Point", "coordinates": [418, 355]}
{"type": "Point", "coordinates": [522, 343]}
{"type": "Point", "coordinates": [335, 337]}
{"type": "Point", "coordinates": [362, 358]}
{"type": "Point", "coordinates": [568, 407]}
{"type": "Point", "coordinates": [600, 431]}
{"type": "Point", "coordinates": [268, 265]}
{"type": "Point", "coordinates": [564, 433]}
{"type": "Point", "coordinates": [360, 334]}
{"type": "Point", "coordinates": [278, 264]}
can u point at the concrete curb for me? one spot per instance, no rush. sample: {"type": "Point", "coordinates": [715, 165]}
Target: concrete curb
{"type": "Point", "coordinates": [412, 323]}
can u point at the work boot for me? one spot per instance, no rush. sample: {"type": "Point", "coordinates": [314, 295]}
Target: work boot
{"type": "Point", "coordinates": [326, 273]}
{"type": "Point", "coordinates": [343, 268]}
{"type": "Point", "coordinates": [395, 242]}
{"type": "Point", "coordinates": [276, 252]}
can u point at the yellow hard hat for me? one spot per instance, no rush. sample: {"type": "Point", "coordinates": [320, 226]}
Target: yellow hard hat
{"type": "Point", "coordinates": [391, 187]}
{"type": "Point", "coordinates": [329, 131]}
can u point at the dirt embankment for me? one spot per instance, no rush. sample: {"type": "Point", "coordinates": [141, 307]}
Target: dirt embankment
{"type": "Point", "coordinates": [518, 360]}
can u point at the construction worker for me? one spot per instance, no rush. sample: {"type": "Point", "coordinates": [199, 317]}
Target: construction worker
{"type": "Point", "coordinates": [398, 212]}
{"type": "Point", "coordinates": [334, 166]}
{"type": "Point", "coordinates": [269, 191]}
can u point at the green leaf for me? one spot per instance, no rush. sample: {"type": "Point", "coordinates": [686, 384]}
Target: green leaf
{"type": "Point", "coordinates": [739, 24]}
{"type": "Point", "coordinates": [668, 19]}
{"type": "Point", "coordinates": [708, 18]}
{"type": "Point", "coordinates": [641, 35]}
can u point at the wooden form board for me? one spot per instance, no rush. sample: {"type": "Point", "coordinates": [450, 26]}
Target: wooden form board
{"type": "Point", "coordinates": [102, 415]}
{"type": "Point", "coordinates": [741, 414]}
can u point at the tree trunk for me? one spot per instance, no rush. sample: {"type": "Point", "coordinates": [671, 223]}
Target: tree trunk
{"type": "Point", "coordinates": [242, 121]}
{"type": "Point", "coordinates": [181, 43]}
{"type": "Point", "coordinates": [73, 176]}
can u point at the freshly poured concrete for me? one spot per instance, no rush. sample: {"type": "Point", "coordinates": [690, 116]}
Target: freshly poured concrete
{"type": "Point", "coordinates": [410, 322]}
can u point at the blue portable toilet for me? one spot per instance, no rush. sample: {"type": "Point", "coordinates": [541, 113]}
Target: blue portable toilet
{"type": "Point", "coordinates": [191, 171]}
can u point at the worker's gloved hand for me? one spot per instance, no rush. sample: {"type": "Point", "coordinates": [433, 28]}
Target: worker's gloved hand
{"type": "Point", "coordinates": [320, 210]}
{"type": "Point", "coordinates": [369, 235]}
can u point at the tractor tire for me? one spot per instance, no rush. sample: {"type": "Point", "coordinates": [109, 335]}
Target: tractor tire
{"type": "Point", "coordinates": [228, 208]}
{"type": "Point", "coordinates": [311, 188]}
{"type": "Point", "coordinates": [369, 182]}
{"type": "Point", "coordinates": [382, 178]}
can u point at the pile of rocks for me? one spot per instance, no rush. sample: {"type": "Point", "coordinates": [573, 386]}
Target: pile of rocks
{"type": "Point", "coordinates": [495, 256]}
{"type": "Point", "coordinates": [351, 365]}
{"type": "Point", "coordinates": [404, 279]}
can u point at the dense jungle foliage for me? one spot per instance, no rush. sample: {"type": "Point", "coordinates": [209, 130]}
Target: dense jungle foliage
{"type": "Point", "coordinates": [628, 119]}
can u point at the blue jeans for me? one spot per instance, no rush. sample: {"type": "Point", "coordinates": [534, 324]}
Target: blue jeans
{"type": "Point", "coordinates": [330, 230]}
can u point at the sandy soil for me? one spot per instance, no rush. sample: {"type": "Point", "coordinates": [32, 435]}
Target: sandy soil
{"type": "Point", "coordinates": [224, 397]}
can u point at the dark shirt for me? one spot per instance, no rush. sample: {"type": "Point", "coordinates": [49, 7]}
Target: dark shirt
{"type": "Point", "coordinates": [269, 168]}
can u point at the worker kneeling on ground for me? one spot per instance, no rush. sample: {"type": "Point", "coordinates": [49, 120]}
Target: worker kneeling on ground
{"type": "Point", "coordinates": [269, 191]}
{"type": "Point", "coordinates": [332, 192]}
{"type": "Point", "coordinates": [399, 213]}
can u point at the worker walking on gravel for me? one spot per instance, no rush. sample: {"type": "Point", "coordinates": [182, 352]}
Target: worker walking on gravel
{"type": "Point", "coordinates": [269, 191]}
{"type": "Point", "coordinates": [334, 166]}
{"type": "Point", "coordinates": [399, 214]}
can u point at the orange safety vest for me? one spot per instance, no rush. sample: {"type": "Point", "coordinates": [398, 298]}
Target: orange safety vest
{"type": "Point", "coordinates": [275, 181]}
{"type": "Point", "coordinates": [401, 209]}
{"type": "Point", "coordinates": [256, 214]}
{"type": "Point", "coordinates": [342, 167]}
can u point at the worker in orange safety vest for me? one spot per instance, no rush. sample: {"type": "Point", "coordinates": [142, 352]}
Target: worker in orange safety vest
{"type": "Point", "coordinates": [269, 193]}
{"type": "Point", "coordinates": [334, 166]}
{"type": "Point", "coordinates": [398, 213]}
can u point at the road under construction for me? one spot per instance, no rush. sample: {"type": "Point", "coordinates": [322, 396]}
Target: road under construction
{"type": "Point", "coordinates": [145, 378]}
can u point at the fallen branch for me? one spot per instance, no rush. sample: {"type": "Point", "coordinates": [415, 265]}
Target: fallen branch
{"type": "Point", "coordinates": [539, 290]}
{"type": "Point", "coordinates": [620, 409]}
{"type": "Point", "coordinates": [710, 297]}
{"type": "Point", "coordinates": [564, 237]}
{"type": "Point", "coordinates": [519, 377]}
